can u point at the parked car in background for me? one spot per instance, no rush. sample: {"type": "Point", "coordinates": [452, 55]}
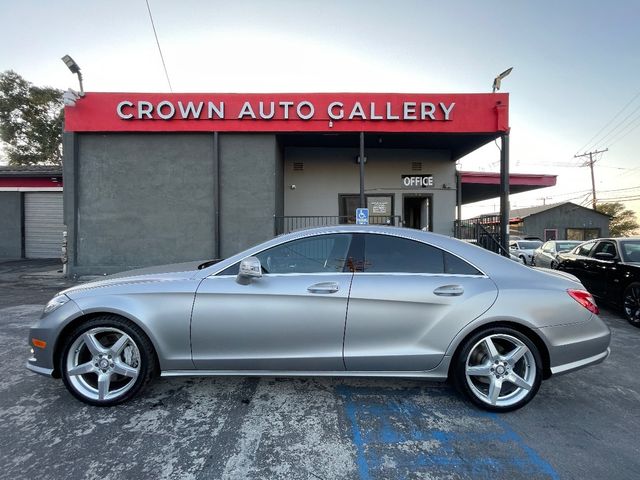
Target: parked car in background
{"type": "Point", "coordinates": [546, 255]}
{"type": "Point", "coordinates": [523, 249]}
{"type": "Point", "coordinates": [420, 305]}
{"type": "Point", "coordinates": [610, 270]}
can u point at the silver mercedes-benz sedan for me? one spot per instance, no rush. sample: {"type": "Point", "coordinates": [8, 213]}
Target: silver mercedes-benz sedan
{"type": "Point", "coordinates": [340, 301]}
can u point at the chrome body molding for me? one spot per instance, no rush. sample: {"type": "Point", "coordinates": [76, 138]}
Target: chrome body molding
{"type": "Point", "coordinates": [47, 372]}
{"type": "Point", "coordinates": [578, 364]}
{"type": "Point", "coordinates": [435, 375]}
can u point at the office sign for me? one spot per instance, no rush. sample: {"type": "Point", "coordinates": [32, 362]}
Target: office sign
{"type": "Point", "coordinates": [417, 181]}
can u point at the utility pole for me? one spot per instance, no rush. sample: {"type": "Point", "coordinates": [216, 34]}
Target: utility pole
{"type": "Point", "coordinates": [590, 163]}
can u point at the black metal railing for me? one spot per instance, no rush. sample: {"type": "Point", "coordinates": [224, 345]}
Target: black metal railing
{"type": "Point", "coordinates": [484, 231]}
{"type": "Point", "coordinates": [291, 223]}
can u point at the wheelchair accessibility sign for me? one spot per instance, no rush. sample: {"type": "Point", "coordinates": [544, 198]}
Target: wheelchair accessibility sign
{"type": "Point", "coordinates": [362, 216]}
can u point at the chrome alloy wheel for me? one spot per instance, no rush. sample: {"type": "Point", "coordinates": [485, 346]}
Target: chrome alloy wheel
{"type": "Point", "coordinates": [103, 363]}
{"type": "Point", "coordinates": [632, 304]}
{"type": "Point", "coordinates": [500, 370]}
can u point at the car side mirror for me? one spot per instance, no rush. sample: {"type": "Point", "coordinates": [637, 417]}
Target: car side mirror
{"type": "Point", "coordinates": [250, 268]}
{"type": "Point", "coordinates": [604, 256]}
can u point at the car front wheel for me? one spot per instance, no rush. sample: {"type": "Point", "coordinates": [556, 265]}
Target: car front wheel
{"type": "Point", "coordinates": [499, 369]}
{"type": "Point", "coordinates": [631, 304]}
{"type": "Point", "coordinates": [106, 361]}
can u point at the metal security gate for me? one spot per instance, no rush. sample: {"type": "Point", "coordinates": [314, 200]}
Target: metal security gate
{"type": "Point", "coordinates": [43, 225]}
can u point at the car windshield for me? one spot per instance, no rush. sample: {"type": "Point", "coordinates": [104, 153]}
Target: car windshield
{"type": "Point", "coordinates": [529, 245]}
{"type": "Point", "coordinates": [630, 250]}
{"type": "Point", "coordinates": [566, 246]}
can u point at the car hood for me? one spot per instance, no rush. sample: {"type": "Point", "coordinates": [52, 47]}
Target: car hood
{"type": "Point", "coordinates": [175, 271]}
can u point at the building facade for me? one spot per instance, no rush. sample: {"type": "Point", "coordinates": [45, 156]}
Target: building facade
{"type": "Point", "coordinates": [163, 178]}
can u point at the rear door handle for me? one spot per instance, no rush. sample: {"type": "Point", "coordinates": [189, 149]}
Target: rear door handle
{"type": "Point", "coordinates": [324, 287]}
{"type": "Point", "coordinates": [449, 291]}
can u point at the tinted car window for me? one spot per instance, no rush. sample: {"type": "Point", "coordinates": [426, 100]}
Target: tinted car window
{"type": "Point", "coordinates": [604, 247]}
{"type": "Point", "coordinates": [630, 250]}
{"type": "Point", "coordinates": [387, 254]}
{"type": "Point", "coordinates": [322, 253]}
{"type": "Point", "coordinates": [584, 249]}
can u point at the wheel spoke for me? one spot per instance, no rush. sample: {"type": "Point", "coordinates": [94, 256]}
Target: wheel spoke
{"type": "Point", "coordinates": [494, 390]}
{"type": "Point", "coordinates": [104, 380]}
{"type": "Point", "coordinates": [518, 381]}
{"type": "Point", "coordinates": [116, 348]}
{"type": "Point", "coordinates": [516, 354]}
{"type": "Point", "coordinates": [92, 343]}
{"type": "Point", "coordinates": [491, 349]}
{"type": "Point", "coordinates": [122, 368]}
{"type": "Point", "coordinates": [82, 369]}
{"type": "Point", "coordinates": [479, 370]}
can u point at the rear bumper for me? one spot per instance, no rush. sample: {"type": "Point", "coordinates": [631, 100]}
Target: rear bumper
{"type": "Point", "coordinates": [577, 345]}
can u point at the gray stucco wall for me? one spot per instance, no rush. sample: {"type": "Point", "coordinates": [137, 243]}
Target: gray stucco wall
{"type": "Point", "coordinates": [141, 199]}
{"type": "Point", "coordinates": [250, 186]}
{"type": "Point", "coordinates": [10, 225]}
{"type": "Point", "coordinates": [563, 217]}
{"type": "Point", "coordinates": [327, 173]}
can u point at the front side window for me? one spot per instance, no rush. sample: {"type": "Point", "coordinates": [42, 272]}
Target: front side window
{"type": "Point", "coordinates": [605, 247]}
{"type": "Point", "coordinates": [584, 250]}
{"type": "Point", "coordinates": [319, 254]}
{"type": "Point", "coordinates": [388, 254]}
{"type": "Point", "coordinates": [630, 250]}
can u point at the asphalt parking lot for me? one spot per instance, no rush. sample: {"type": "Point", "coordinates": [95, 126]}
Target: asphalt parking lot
{"type": "Point", "coordinates": [580, 426]}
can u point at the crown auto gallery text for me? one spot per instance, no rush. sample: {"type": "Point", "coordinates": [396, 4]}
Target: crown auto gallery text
{"type": "Point", "coordinates": [283, 110]}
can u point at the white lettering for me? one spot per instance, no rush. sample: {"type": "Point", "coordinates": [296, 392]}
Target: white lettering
{"type": "Point", "coordinates": [217, 109]}
{"type": "Point", "coordinates": [308, 105]}
{"type": "Point", "coordinates": [426, 110]}
{"type": "Point", "coordinates": [247, 110]}
{"type": "Point", "coordinates": [190, 109]}
{"type": "Point", "coordinates": [271, 113]}
{"type": "Point", "coordinates": [373, 115]}
{"type": "Point", "coordinates": [121, 114]}
{"type": "Point", "coordinates": [146, 109]}
{"type": "Point", "coordinates": [409, 111]}
{"type": "Point", "coordinates": [332, 115]}
{"type": "Point", "coordinates": [170, 114]}
{"type": "Point", "coordinates": [406, 181]}
{"type": "Point", "coordinates": [389, 115]}
{"type": "Point", "coordinates": [357, 111]}
{"type": "Point", "coordinates": [446, 110]}
{"type": "Point", "coordinates": [286, 106]}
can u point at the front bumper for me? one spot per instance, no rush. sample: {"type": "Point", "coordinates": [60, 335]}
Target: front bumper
{"type": "Point", "coordinates": [577, 345]}
{"type": "Point", "coordinates": [48, 330]}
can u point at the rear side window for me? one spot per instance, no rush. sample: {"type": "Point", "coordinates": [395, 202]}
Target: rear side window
{"type": "Point", "coordinates": [387, 254]}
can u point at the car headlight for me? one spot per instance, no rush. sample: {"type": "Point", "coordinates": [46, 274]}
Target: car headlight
{"type": "Point", "coordinates": [55, 303]}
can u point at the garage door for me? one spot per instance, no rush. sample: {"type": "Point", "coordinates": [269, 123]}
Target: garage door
{"type": "Point", "coordinates": [43, 225]}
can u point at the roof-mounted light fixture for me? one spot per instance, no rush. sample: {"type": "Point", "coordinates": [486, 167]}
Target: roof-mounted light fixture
{"type": "Point", "coordinates": [498, 79]}
{"type": "Point", "coordinates": [75, 68]}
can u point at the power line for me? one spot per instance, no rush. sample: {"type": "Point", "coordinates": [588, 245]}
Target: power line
{"type": "Point", "coordinates": [159, 49]}
{"type": "Point", "coordinates": [593, 180]}
{"type": "Point", "coordinates": [609, 122]}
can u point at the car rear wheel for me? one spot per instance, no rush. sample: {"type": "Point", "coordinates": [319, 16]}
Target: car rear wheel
{"type": "Point", "coordinates": [499, 369]}
{"type": "Point", "coordinates": [106, 361]}
{"type": "Point", "coordinates": [524, 259]}
{"type": "Point", "coordinates": [631, 304]}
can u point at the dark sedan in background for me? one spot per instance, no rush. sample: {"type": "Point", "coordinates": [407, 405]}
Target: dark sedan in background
{"type": "Point", "coordinates": [610, 270]}
{"type": "Point", "coordinates": [546, 255]}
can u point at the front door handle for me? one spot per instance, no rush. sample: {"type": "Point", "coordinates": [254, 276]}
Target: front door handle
{"type": "Point", "coordinates": [324, 287]}
{"type": "Point", "coordinates": [449, 291]}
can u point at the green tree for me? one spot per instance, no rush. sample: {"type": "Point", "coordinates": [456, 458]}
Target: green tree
{"type": "Point", "coordinates": [623, 221]}
{"type": "Point", "coordinates": [31, 120]}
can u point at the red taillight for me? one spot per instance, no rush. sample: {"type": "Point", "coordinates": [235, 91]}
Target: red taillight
{"type": "Point", "coordinates": [585, 299]}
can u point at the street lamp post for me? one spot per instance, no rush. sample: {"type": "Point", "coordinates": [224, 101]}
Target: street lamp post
{"type": "Point", "coordinates": [75, 68]}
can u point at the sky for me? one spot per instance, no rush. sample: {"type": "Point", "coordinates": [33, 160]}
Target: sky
{"type": "Point", "coordinates": [575, 85]}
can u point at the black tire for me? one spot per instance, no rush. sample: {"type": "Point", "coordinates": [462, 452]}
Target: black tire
{"type": "Point", "coordinates": [528, 368]}
{"type": "Point", "coordinates": [631, 304]}
{"type": "Point", "coordinates": [554, 265]}
{"type": "Point", "coordinates": [135, 356]}
{"type": "Point", "coordinates": [524, 259]}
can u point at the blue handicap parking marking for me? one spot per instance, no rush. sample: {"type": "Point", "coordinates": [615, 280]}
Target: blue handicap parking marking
{"type": "Point", "coordinates": [429, 433]}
